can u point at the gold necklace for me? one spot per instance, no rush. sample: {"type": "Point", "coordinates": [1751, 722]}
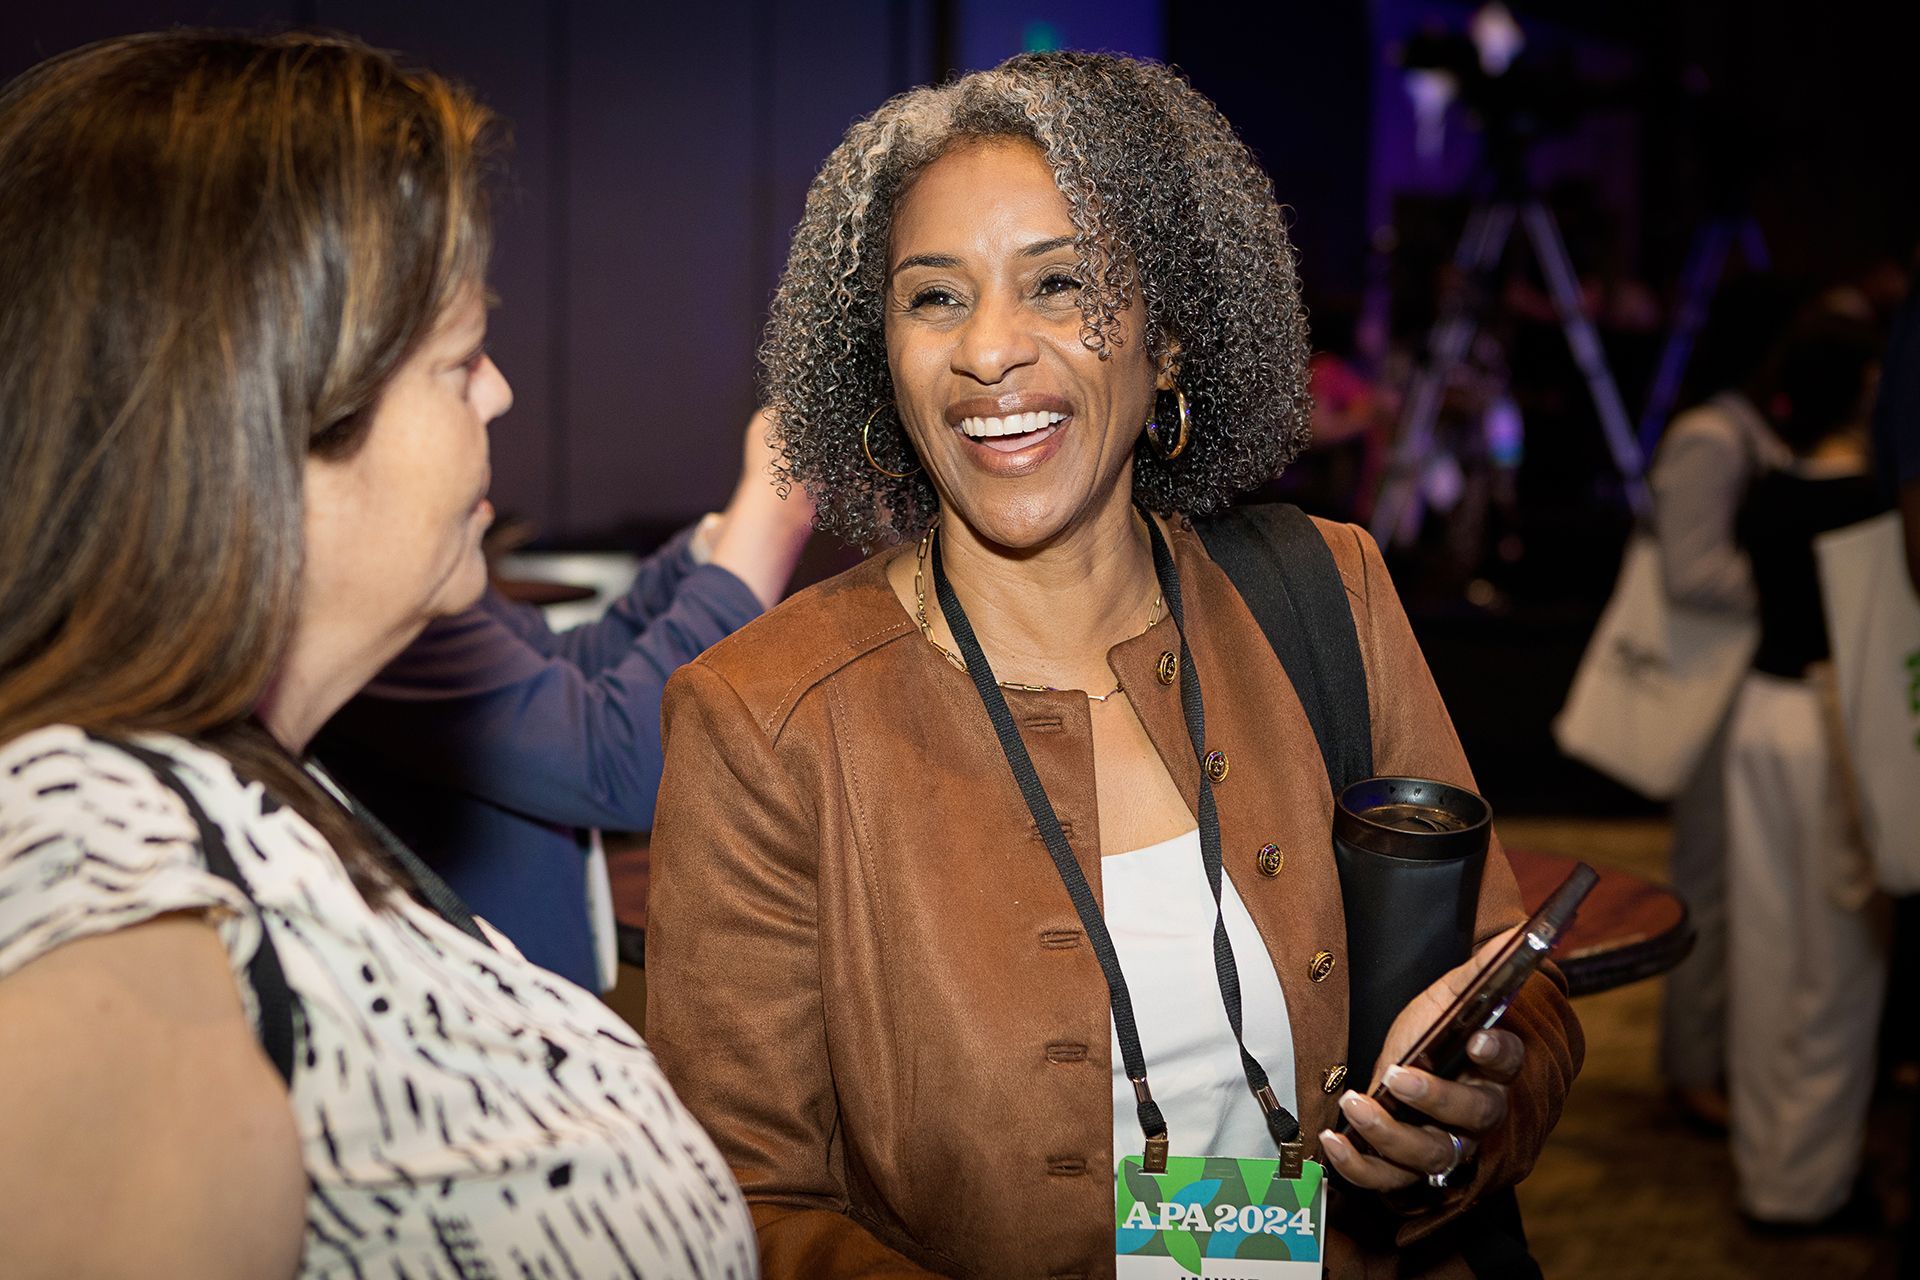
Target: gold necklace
{"type": "Point", "coordinates": [960, 663]}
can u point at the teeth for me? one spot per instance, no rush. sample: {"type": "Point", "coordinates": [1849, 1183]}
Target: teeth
{"type": "Point", "coordinates": [1011, 425]}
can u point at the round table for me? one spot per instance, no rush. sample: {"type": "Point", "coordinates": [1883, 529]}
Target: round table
{"type": "Point", "coordinates": [1628, 928]}
{"type": "Point", "coordinates": [531, 591]}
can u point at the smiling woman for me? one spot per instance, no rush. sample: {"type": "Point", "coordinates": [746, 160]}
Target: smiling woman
{"type": "Point", "coordinates": [963, 916]}
{"type": "Point", "coordinates": [985, 351]}
{"type": "Point", "coordinates": [1159, 207]}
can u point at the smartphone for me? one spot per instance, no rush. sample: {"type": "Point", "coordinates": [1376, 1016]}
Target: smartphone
{"type": "Point", "coordinates": [1442, 1049]}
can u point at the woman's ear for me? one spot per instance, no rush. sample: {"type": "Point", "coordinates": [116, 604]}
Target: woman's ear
{"type": "Point", "coordinates": [1167, 374]}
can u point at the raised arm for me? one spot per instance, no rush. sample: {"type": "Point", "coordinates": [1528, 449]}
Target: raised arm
{"type": "Point", "coordinates": [565, 727]}
{"type": "Point", "coordinates": [762, 531]}
{"type": "Point", "coordinates": [671, 602]}
{"type": "Point", "coordinates": [735, 1007]}
{"type": "Point", "coordinates": [752, 543]}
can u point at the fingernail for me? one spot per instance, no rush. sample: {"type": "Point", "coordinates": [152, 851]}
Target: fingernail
{"type": "Point", "coordinates": [1406, 1083]}
{"type": "Point", "coordinates": [1350, 1103]}
{"type": "Point", "coordinates": [1331, 1141]}
{"type": "Point", "coordinates": [1481, 1045]}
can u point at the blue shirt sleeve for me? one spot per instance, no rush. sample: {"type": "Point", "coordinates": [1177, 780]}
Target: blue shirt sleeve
{"type": "Point", "coordinates": [561, 727]}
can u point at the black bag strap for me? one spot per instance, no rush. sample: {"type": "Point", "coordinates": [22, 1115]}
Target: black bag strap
{"type": "Point", "coordinates": [1283, 569]}
{"type": "Point", "coordinates": [1302, 607]}
{"type": "Point", "coordinates": [280, 1009]}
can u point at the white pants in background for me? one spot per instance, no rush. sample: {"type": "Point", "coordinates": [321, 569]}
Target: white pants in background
{"type": "Point", "coordinates": [1693, 1009]}
{"type": "Point", "coordinates": [1807, 970]}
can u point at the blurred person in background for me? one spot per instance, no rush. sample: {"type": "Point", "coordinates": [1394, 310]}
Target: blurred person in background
{"type": "Point", "coordinates": [1807, 959]}
{"type": "Point", "coordinates": [1896, 451]}
{"type": "Point", "coordinates": [494, 747]}
{"type": "Point", "coordinates": [1707, 459]}
{"type": "Point", "coordinates": [1896, 426]}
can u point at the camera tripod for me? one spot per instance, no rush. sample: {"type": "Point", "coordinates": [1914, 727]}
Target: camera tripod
{"type": "Point", "coordinates": [1706, 265]}
{"type": "Point", "coordinates": [1397, 511]}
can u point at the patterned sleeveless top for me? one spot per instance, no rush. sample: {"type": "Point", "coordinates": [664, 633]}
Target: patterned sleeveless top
{"type": "Point", "coordinates": [462, 1113]}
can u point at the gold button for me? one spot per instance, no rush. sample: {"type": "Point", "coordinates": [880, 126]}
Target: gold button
{"type": "Point", "coordinates": [1169, 668]}
{"type": "Point", "coordinates": [1321, 966]}
{"type": "Point", "coordinates": [1217, 766]}
{"type": "Point", "coordinates": [1270, 859]}
{"type": "Point", "coordinates": [1335, 1077]}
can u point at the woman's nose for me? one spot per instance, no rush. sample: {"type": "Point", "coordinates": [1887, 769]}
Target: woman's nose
{"type": "Point", "coordinates": [997, 339]}
{"type": "Point", "coordinates": [497, 394]}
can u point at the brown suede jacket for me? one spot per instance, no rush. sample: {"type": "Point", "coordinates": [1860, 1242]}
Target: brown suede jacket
{"type": "Point", "coordinates": [865, 977]}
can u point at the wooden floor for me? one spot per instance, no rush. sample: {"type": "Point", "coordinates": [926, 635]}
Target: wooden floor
{"type": "Point", "coordinates": [1624, 1191]}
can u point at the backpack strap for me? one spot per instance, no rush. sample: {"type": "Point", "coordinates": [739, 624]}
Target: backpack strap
{"type": "Point", "coordinates": [279, 1007]}
{"type": "Point", "coordinates": [1283, 569]}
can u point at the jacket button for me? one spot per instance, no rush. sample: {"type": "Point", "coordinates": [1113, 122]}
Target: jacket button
{"type": "Point", "coordinates": [1169, 668]}
{"type": "Point", "coordinates": [1217, 765]}
{"type": "Point", "coordinates": [1321, 966]}
{"type": "Point", "coordinates": [1270, 859]}
{"type": "Point", "coordinates": [1335, 1076]}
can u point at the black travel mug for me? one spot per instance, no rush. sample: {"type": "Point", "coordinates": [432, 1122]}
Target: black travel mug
{"type": "Point", "coordinates": [1410, 852]}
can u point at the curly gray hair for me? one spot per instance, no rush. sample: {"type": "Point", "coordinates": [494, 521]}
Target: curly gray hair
{"type": "Point", "coordinates": [1164, 198]}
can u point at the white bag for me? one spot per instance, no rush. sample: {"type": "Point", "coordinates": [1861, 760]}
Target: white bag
{"type": "Point", "coordinates": [1655, 682]}
{"type": "Point", "coordinates": [1873, 621]}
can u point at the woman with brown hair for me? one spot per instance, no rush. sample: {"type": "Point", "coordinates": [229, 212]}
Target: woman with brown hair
{"type": "Point", "coordinates": [918, 819]}
{"type": "Point", "coordinates": [244, 394]}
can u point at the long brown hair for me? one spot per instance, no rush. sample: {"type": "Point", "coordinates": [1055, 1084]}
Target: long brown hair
{"type": "Point", "coordinates": [215, 250]}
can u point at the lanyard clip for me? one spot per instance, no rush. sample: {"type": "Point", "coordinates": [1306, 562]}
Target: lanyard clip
{"type": "Point", "coordinates": [1285, 1130]}
{"type": "Point", "coordinates": [1154, 1158]}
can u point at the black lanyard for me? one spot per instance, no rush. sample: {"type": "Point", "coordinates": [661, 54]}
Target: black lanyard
{"type": "Point", "coordinates": [430, 890]}
{"type": "Point", "coordinates": [1280, 1122]}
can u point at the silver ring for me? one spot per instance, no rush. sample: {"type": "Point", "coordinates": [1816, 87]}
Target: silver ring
{"type": "Point", "coordinates": [1459, 1153]}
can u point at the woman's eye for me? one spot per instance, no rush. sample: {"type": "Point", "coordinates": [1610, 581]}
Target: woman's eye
{"type": "Point", "coordinates": [930, 297]}
{"type": "Point", "coordinates": [468, 367]}
{"type": "Point", "coordinates": [1058, 282]}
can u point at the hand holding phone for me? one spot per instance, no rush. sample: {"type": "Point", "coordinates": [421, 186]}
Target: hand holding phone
{"type": "Point", "coordinates": [1441, 1050]}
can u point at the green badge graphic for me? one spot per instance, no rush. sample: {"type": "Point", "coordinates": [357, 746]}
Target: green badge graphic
{"type": "Point", "coordinates": [1218, 1216]}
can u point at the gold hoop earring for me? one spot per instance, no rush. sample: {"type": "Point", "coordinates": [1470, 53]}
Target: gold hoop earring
{"type": "Point", "coordinates": [866, 446]}
{"type": "Point", "coordinates": [1157, 442]}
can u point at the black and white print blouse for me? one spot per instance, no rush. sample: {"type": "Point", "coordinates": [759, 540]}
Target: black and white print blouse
{"type": "Point", "coordinates": [462, 1113]}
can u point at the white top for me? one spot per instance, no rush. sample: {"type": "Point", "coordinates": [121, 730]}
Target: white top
{"type": "Point", "coordinates": [1161, 915]}
{"type": "Point", "coordinates": [462, 1113]}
